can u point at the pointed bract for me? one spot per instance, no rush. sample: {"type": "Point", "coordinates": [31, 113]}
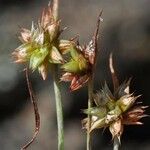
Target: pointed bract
{"type": "Point", "coordinates": [78, 82]}
{"type": "Point", "coordinates": [116, 129]}
{"type": "Point", "coordinates": [43, 70]}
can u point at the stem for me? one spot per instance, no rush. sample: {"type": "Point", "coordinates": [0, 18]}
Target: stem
{"type": "Point", "coordinates": [90, 95]}
{"type": "Point", "coordinates": [116, 143]}
{"type": "Point", "coordinates": [57, 91]}
{"type": "Point", "coordinates": [55, 9]}
{"type": "Point", "coordinates": [90, 83]}
{"type": "Point", "coordinates": [59, 110]}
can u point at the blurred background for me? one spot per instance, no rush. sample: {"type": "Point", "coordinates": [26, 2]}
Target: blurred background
{"type": "Point", "coordinates": [125, 31]}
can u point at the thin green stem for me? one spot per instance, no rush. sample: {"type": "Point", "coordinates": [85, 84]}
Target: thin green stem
{"type": "Point", "coordinates": [90, 95]}
{"type": "Point", "coordinates": [116, 143]}
{"type": "Point", "coordinates": [58, 99]}
{"type": "Point", "coordinates": [59, 109]}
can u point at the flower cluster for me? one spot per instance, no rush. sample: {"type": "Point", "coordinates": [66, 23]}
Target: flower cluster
{"type": "Point", "coordinates": [114, 110]}
{"type": "Point", "coordinates": [39, 45]}
{"type": "Point", "coordinates": [79, 68]}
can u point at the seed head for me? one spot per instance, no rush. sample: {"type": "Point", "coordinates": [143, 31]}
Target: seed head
{"type": "Point", "coordinates": [39, 45]}
{"type": "Point", "coordinates": [115, 109]}
{"type": "Point", "coordinates": [79, 66]}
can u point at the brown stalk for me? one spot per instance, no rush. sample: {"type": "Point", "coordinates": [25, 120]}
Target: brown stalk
{"type": "Point", "coordinates": [113, 73]}
{"type": "Point", "coordinates": [90, 82]}
{"type": "Point", "coordinates": [36, 112]}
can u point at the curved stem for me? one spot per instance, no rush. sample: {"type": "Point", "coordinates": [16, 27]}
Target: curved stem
{"type": "Point", "coordinates": [116, 143]}
{"type": "Point", "coordinates": [90, 95]}
{"type": "Point", "coordinates": [59, 110]}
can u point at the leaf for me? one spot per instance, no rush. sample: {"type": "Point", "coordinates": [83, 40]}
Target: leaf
{"type": "Point", "coordinates": [76, 66]}
{"type": "Point", "coordinates": [78, 82]}
{"type": "Point", "coordinates": [83, 65]}
{"type": "Point", "coordinates": [108, 92]}
{"type": "Point", "coordinates": [37, 36]}
{"type": "Point", "coordinates": [25, 35]}
{"type": "Point", "coordinates": [72, 66]}
{"type": "Point", "coordinates": [126, 101]}
{"type": "Point", "coordinates": [24, 48]}
{"type": "Point", "coordinates": [116, 129]}
{"type": "Point", "coordinates": [53, 31]}
{"type": "Point", "coordinates": [46, 17]}
{"type": "Point", "coordinates": [100, 112]}
{"type": "Point", "coordinates": [113, 73]}
{"type": "Point", "coordinates": [55, 56]}
{"type": "Point", "coordinates": [124, 88]}
{"type": "Point", "coordinates": [65, 46]}
{"type": "Point", "coordinates": [90, 51]}
{"type": "Point", "coordinates": [38, 57]}
{"type": "Point", "coordinates": [104, 97]}
{"type": "Point", "coordinates": [22, 53]}
{"type": "Point", "coordinates": [43, 70]}
{"type": "Point", "coordinates": [67, 77]}
{"type": "Point", "coordinates": [74, 54]}
{"type": "Point", "coordinates": [113, 115]}
{"type": "Point", "coordinates": [100, 123]}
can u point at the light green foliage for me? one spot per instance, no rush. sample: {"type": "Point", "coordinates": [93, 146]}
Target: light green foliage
{"type": "Point", "coordinates": [38, 57]}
